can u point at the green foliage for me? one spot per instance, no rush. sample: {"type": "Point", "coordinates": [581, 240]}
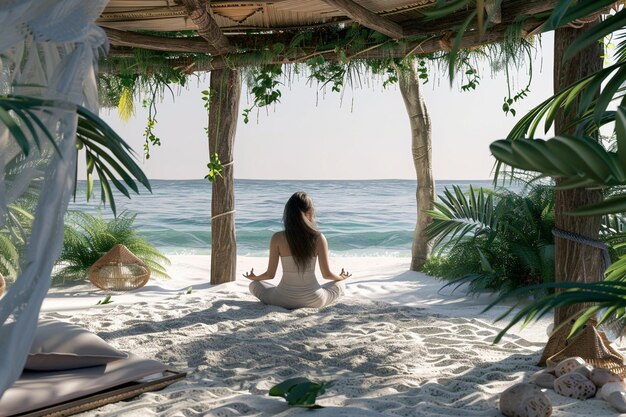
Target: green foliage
{"type": "Point", "coordinates": [109, 156]}
{"type": "Point", "coordinates": [327, 72]}
{"type": "Point", "coordinates": [115, 89]}
{"type": "Point", "coordinates": [150, 138]}
{"type": "Point", "coordinates": [215, 168]}
{"type": "Point", "coordinates": [579, 160]}
{"type": "Point", "coordinates": [106, 152]}
{"type": "Point", "coordinates": [493, 240]}
{"type": "Point", "coordinates": [472, 78]}
{"type": "Point", "coordinates": [16, 227]}
{"type": "Point", "coordinates": [300, 392]}
{"type": "Point", "coordinates": [88, 237]}
{"type": "Point", "coordinates": [264, 86]}
{"type": "Point", "coordinates": [105, 300]}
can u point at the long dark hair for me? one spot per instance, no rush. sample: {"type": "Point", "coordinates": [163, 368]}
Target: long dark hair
{"type": "Point", "coordinates": [301, 233]}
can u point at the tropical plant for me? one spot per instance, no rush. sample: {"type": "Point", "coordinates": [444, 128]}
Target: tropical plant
{"type": "Point", "coordinates": [106, 153]}
{"type": "Point", "coordinates": [496, 240]}
{"type": "Point", "coordinates": [578, 160]}
{"type": "Point", "coordinates": [88, 237]}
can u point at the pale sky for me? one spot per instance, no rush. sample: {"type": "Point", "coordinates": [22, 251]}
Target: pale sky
{"type": "Point", "coordinates": [313, 134]}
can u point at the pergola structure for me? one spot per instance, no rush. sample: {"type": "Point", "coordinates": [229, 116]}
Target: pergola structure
{"type": "Point", "coordinates": [228, 29]}
{"type": "Point", "coordinates": [223, 35]}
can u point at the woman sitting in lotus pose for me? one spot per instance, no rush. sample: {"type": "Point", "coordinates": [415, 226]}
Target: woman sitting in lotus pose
{"type": "Point", "coordinates": [297, 247]}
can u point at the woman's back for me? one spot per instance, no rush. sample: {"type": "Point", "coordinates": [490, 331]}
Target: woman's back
{"type": "Point", "coordinates": [293, 278]}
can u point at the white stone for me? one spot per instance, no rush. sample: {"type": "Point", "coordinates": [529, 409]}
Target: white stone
{"type": "Point", "coordinates": [601, 376]}
{"type": "Point", "coordinates": [584, 370]}
{"type": "Point", "coordinates": [574, 385]}
{"type": "Point", "coordinates": [568, 365]}
{"type": "Point", "coordinates": [543, 379]}
{"type": "Point", "coordinates": [610, 387]}
{"type": "Point", "coordinates": [618, 400]}
{"type": "Point", "coordinates": [525, 400]}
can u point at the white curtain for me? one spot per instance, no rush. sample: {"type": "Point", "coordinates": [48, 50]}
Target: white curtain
{"type": "Point", "coordinates": [48, 49]}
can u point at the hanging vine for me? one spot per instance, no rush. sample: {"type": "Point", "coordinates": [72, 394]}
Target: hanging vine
{"type": "Point", "coordinates": [264, 88]}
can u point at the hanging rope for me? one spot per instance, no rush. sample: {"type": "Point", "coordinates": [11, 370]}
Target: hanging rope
{"type": "Point", "coordinates": [223, 214]}
{"type": "Point", "coordinates": [583, 240]}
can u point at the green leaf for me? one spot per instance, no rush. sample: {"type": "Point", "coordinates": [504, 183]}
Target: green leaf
{"type": "Point", "coordinates": [15, 130]}
{"type": "Point", "coordinates": [568, 10]}
{"type": "Point", "coordinates": [300, 392]}
{"type": "Point", "coordinates": [280, 390]}
{"type": "Point", "coordinates": [620, 134]}
{"type": "Point", "coordinates": [444, 9]}
{"type": "Point", "coordinates": [611, 24]}
{"type": "Point", "coordinates": [616, 204]}
{"type": "Point", "coordinates": [105, 300]}
{"type": "Point", "coordinates": [457, 43]}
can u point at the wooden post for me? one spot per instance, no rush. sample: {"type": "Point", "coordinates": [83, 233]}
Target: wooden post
{"type": "Point", "coordinates": [574, 262]}
{"type": "Point", "coordinates": [422, 159]}
{"type": "Point", "coordinates": [223, 112]}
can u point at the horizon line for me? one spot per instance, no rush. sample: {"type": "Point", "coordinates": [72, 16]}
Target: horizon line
{"type": "Point", "coordinates": [317, 179]}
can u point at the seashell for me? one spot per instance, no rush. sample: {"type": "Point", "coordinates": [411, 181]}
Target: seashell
{"type": "Point", "coordinates": [525, 400]}
{"type": "Point", "coordinates": [543, 379]}
{"type": "Point", "coordinates": [584, 370]}
{"type": "Point", "coordinates": [574, 385]}
{"type": "Point", "coordinates": [568, 365]}
{"type": "Point", "coordinates": [618, 400]}
{"type": "Point", "coordinates": [610, 387]}
{"type": "Point", "coordinates": [601, 376]}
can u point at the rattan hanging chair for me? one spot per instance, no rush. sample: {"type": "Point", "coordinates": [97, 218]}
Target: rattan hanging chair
{"type": "Point", "coordinates": [3, 285]}
{"type": "Point", "coordinates": [119, 270]}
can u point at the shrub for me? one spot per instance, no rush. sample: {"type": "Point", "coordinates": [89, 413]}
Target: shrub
{"type": "Point", "coordinates": [493, 240]}
{"type": "Point", "coordinates": [88, 237]}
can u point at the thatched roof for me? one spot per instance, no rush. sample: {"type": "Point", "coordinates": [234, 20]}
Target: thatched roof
{"type": "Point", "coordinates": [229, 32]}
{"type": "Point", "coordinates": [235, 16]}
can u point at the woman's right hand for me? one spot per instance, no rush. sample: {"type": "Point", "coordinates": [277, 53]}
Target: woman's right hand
{"type": "Point", "coordinates": [344, 274]}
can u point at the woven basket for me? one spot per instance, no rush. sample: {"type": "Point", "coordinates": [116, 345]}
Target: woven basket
{"type": "Point", "coordinates": [119, 270]}
{"type": "Point", "coordinates": [3, 285]}
{"type": "Point", "coordinates": [591, 345]}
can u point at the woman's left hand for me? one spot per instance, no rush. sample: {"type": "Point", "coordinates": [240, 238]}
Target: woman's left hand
{"type": "Point", "coordinates": [250, 275]}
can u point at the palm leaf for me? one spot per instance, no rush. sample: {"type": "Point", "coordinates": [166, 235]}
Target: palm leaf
{"type": "Point", "coordinates": [88, 237]}
{"type": "Point", "coordinates": [607, 294]}
{"type": "Point", "coordinates": [456, 217]}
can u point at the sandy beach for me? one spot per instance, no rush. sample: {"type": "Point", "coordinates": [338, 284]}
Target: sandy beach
{"type": "Point", "coordinates": [395, 344]}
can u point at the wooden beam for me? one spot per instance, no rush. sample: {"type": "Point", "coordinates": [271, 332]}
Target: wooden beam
{"type": "Point", "coordinates": [158, 43]}
{"type": "Point", "coordinates": [368, 18]}
{"type": "Point", "coordinates": [470, 40]}
{"type": "Point", "coordinates": [510, 11]}
{"type": "Point", "coordinates": [207, 27]}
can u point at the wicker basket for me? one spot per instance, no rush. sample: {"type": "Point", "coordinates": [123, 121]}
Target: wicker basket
{"type": "Point", "coordinates": [119, 270]}
{"type": "Point", "coordinates": [592, 346]}
{"type": "Point", "coordinates": [3, 285]}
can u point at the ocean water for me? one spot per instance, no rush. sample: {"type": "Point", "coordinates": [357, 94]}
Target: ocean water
{"type": "Point", "coordinates": [359, 218]}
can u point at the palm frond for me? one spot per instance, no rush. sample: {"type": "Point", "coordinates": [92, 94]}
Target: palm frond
{"type": "Point", "coordinates": [609, 297]}
{"type": "Point", "coordinates": [457, 216]}
{"type": "Point", "coordinates": [88, 237]}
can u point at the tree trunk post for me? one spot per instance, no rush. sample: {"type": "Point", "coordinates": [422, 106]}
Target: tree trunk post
{"type": "Point", "coordinates": [223, 111]}
{"type": "Point", "coordinates": [422, 160]}
{"type": "Point", "coordinates": [574, 262]}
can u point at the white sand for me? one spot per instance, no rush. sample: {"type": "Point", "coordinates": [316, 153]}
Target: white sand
{"type": "Point", "coordinates": [395, 345]}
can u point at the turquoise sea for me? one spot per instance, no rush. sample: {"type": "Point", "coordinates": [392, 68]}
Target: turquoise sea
{"type": "Point", "coordinates": [359, 218]}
